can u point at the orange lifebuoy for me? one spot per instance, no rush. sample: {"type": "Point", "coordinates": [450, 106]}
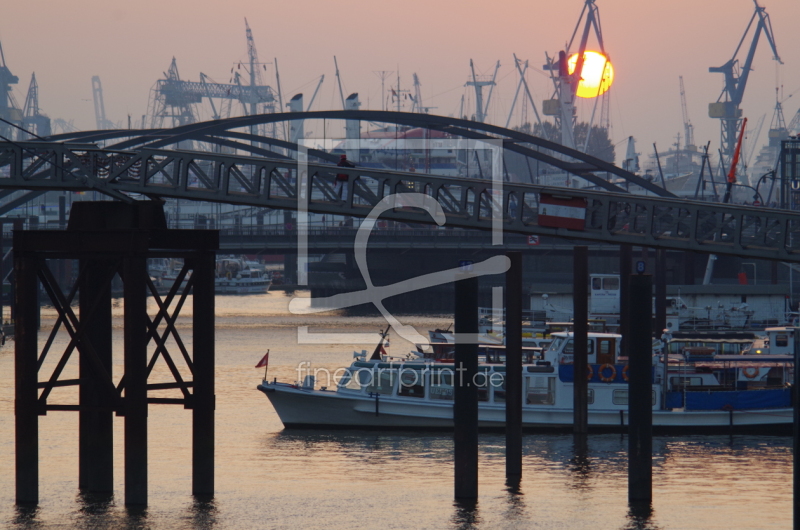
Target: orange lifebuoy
{"type": "Point", "coordinates": [750, 372]}
{"type": "Point", "coordinates": [589, 372]}
{"type": "Point", "coordinates": [609, 378]}
{"type": "Point", "coordinates": [625, 372]}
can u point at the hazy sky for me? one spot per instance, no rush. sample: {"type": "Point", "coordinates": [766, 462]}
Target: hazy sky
{"type": "Point", "coordinates": [130, 44]}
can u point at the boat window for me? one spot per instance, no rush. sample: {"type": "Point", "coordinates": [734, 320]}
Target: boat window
{"type": "Point", "coordinates": [382, 382]}
{"type": "Point", "coordinates": [611, 284]}
{"type": "Point", "coordinates": [597, 284]}
{"type": "Point", "coordinates": [685, 381]}
{"type": "Point", "coordinates": [556, 344]}
{"type": "Point", "coordinates": [442, 385]}
{"type": "Point", "coordinates": [781, 340]}
{"type": "Point", "coordinates": [570, 347]}
{"type": "Point", "coordinates": [540, 390]}
{"type": "Point", "coordinates": [412, 383]}
{"type": "Point", "coordinates": [590, 397]}
{"type": "Point", "coordinates": [482, 382]}
{"type": "Point", "coordinates": [620, 397]}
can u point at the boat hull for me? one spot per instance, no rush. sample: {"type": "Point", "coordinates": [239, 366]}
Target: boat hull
{"type": "Point", "coordinates": [299, 407]}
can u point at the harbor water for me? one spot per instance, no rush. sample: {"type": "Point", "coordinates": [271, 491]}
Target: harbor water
{"type": "Point", "coordinates": [267, 477]}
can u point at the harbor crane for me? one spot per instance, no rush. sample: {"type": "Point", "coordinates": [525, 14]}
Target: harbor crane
{"type": "Point", "coordinates": [479, 82]}
{"type": "Point", "coordinates": [522, 68]}
{"type": "Point", "coordinates": [9, 110]}
{"type": "Point", "coordinates": [33, 120]}
{"type": "Point", "coordinates": [562, 106]}
{"type": "Point", "coordinates": [726, 108]}
{"type": "Point", "coordinates": [176, 99]}
{"type": "Point", "coordinates": [688, 128]}
{"type": "Point", "coordinates": [99, 105]}
{"type": "Point", "coordinates": [173, 99]}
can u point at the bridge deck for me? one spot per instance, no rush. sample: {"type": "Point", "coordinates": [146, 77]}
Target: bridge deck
{"type": "Point", "coordinates": [606, 217]}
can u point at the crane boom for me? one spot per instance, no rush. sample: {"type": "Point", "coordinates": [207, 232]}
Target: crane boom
{"type": "Point", "coordinates": [687, 124]}
{"type": "Point", "coordinates": [726, 108]}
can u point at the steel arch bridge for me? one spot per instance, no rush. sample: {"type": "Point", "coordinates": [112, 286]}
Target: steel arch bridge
{"type": "Point", "coordinates": [136, 163]}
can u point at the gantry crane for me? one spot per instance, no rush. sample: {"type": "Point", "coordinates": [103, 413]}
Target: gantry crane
{"type": "Point", "coordinates": [173, 99]}
{"type": "Point", "coordinates": [726, 108]}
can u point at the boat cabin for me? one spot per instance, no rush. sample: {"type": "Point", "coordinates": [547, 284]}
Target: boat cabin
{"type": "Point", "coordinates": [778, 341]}
{"type": "Point", "coordinates": [602, 348]}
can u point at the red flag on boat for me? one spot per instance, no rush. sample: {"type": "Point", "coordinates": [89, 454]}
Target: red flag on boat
{"type": "Point", "coordinates": [264, 360]}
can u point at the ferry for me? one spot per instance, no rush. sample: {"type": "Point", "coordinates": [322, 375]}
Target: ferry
{"type": "Point", "coordinates": [701, 392]}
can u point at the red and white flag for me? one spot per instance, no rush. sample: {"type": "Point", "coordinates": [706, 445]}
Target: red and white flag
{"type": "Point", "coordinates": [562, 212]}
{"type": "Point", "coordinates": [264, 360]}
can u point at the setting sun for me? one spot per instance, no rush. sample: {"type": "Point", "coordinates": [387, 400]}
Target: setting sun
{"type": "Point", "coordinates": [597, 75]}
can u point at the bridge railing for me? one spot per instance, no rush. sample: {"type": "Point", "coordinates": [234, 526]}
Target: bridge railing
{"type": "Point", "coordinates": [483, 204]}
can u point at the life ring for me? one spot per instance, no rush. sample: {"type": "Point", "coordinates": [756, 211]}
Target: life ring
{"type": "Point", "coordinates": [625, 372]}
{"type": "Point", "coordinates": [609, 378]}
{"type": "Point", "coordinates": [589, 372]}
{"type": "Point", "coordinates": [750, 372]}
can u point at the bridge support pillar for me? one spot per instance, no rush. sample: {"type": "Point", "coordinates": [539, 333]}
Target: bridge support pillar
{"type": "Point", "coordinates": [290, 269]}
{"type": "Point", "coordinates": [107, 239]}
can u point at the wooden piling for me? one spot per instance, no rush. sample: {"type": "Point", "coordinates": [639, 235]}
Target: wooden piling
{"type": "Point", "coordinates": [640, 389]}
{"type": "Point", "coordinates": [580, 301]}
{"type": "Point", "coordinates": [625, 258]}
{"type": "Point", "coordinates": [135, 403]}
{"type": "Point", "coordinates": [203, 350]}
{"type": "Point", "coordinates": [661, 292]}
{"type": "Point", "coordinates": [96, 416]}
{"type": "Point", "coordinates": [465, 406]}
{"type": "Point", "coordinates": [25, 374]}
{"type": "Point", "coordinates": [513, 376]}
{"type": "Point", "coordinates": [796, 433]}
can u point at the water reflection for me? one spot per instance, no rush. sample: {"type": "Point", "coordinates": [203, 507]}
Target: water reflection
{"type": "Point", "coordinates": [466, 516]}
{"type": "Point", "coordinates": [203, 514]}
{"type": "Point", "coordinates": [515, 501]}
{"type": "Point", "coordinates": [580, 464]}
{"type": "Point", "coordinates": [136, 518]}
{"type": "Point", "coordinates": [639, 517]}
{"type": "Point", "coordinates": [95, 503]}
{"type": "Point", "coordinates": [26, 517]}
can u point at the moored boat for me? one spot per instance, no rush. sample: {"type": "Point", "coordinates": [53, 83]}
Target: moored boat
{"type": "Point", "coordinates": [704, 392]}
{"type": "Point", "coordinates": [237, 276]}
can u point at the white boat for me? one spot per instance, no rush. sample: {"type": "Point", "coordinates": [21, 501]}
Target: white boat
{"type": "Point", "coordinates": [706, 392]}
{"type": "Point", "coordinates": [237, 276]}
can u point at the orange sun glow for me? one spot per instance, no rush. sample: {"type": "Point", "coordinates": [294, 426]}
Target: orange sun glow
{"type": "Point", "coordinates": [597, 75]}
